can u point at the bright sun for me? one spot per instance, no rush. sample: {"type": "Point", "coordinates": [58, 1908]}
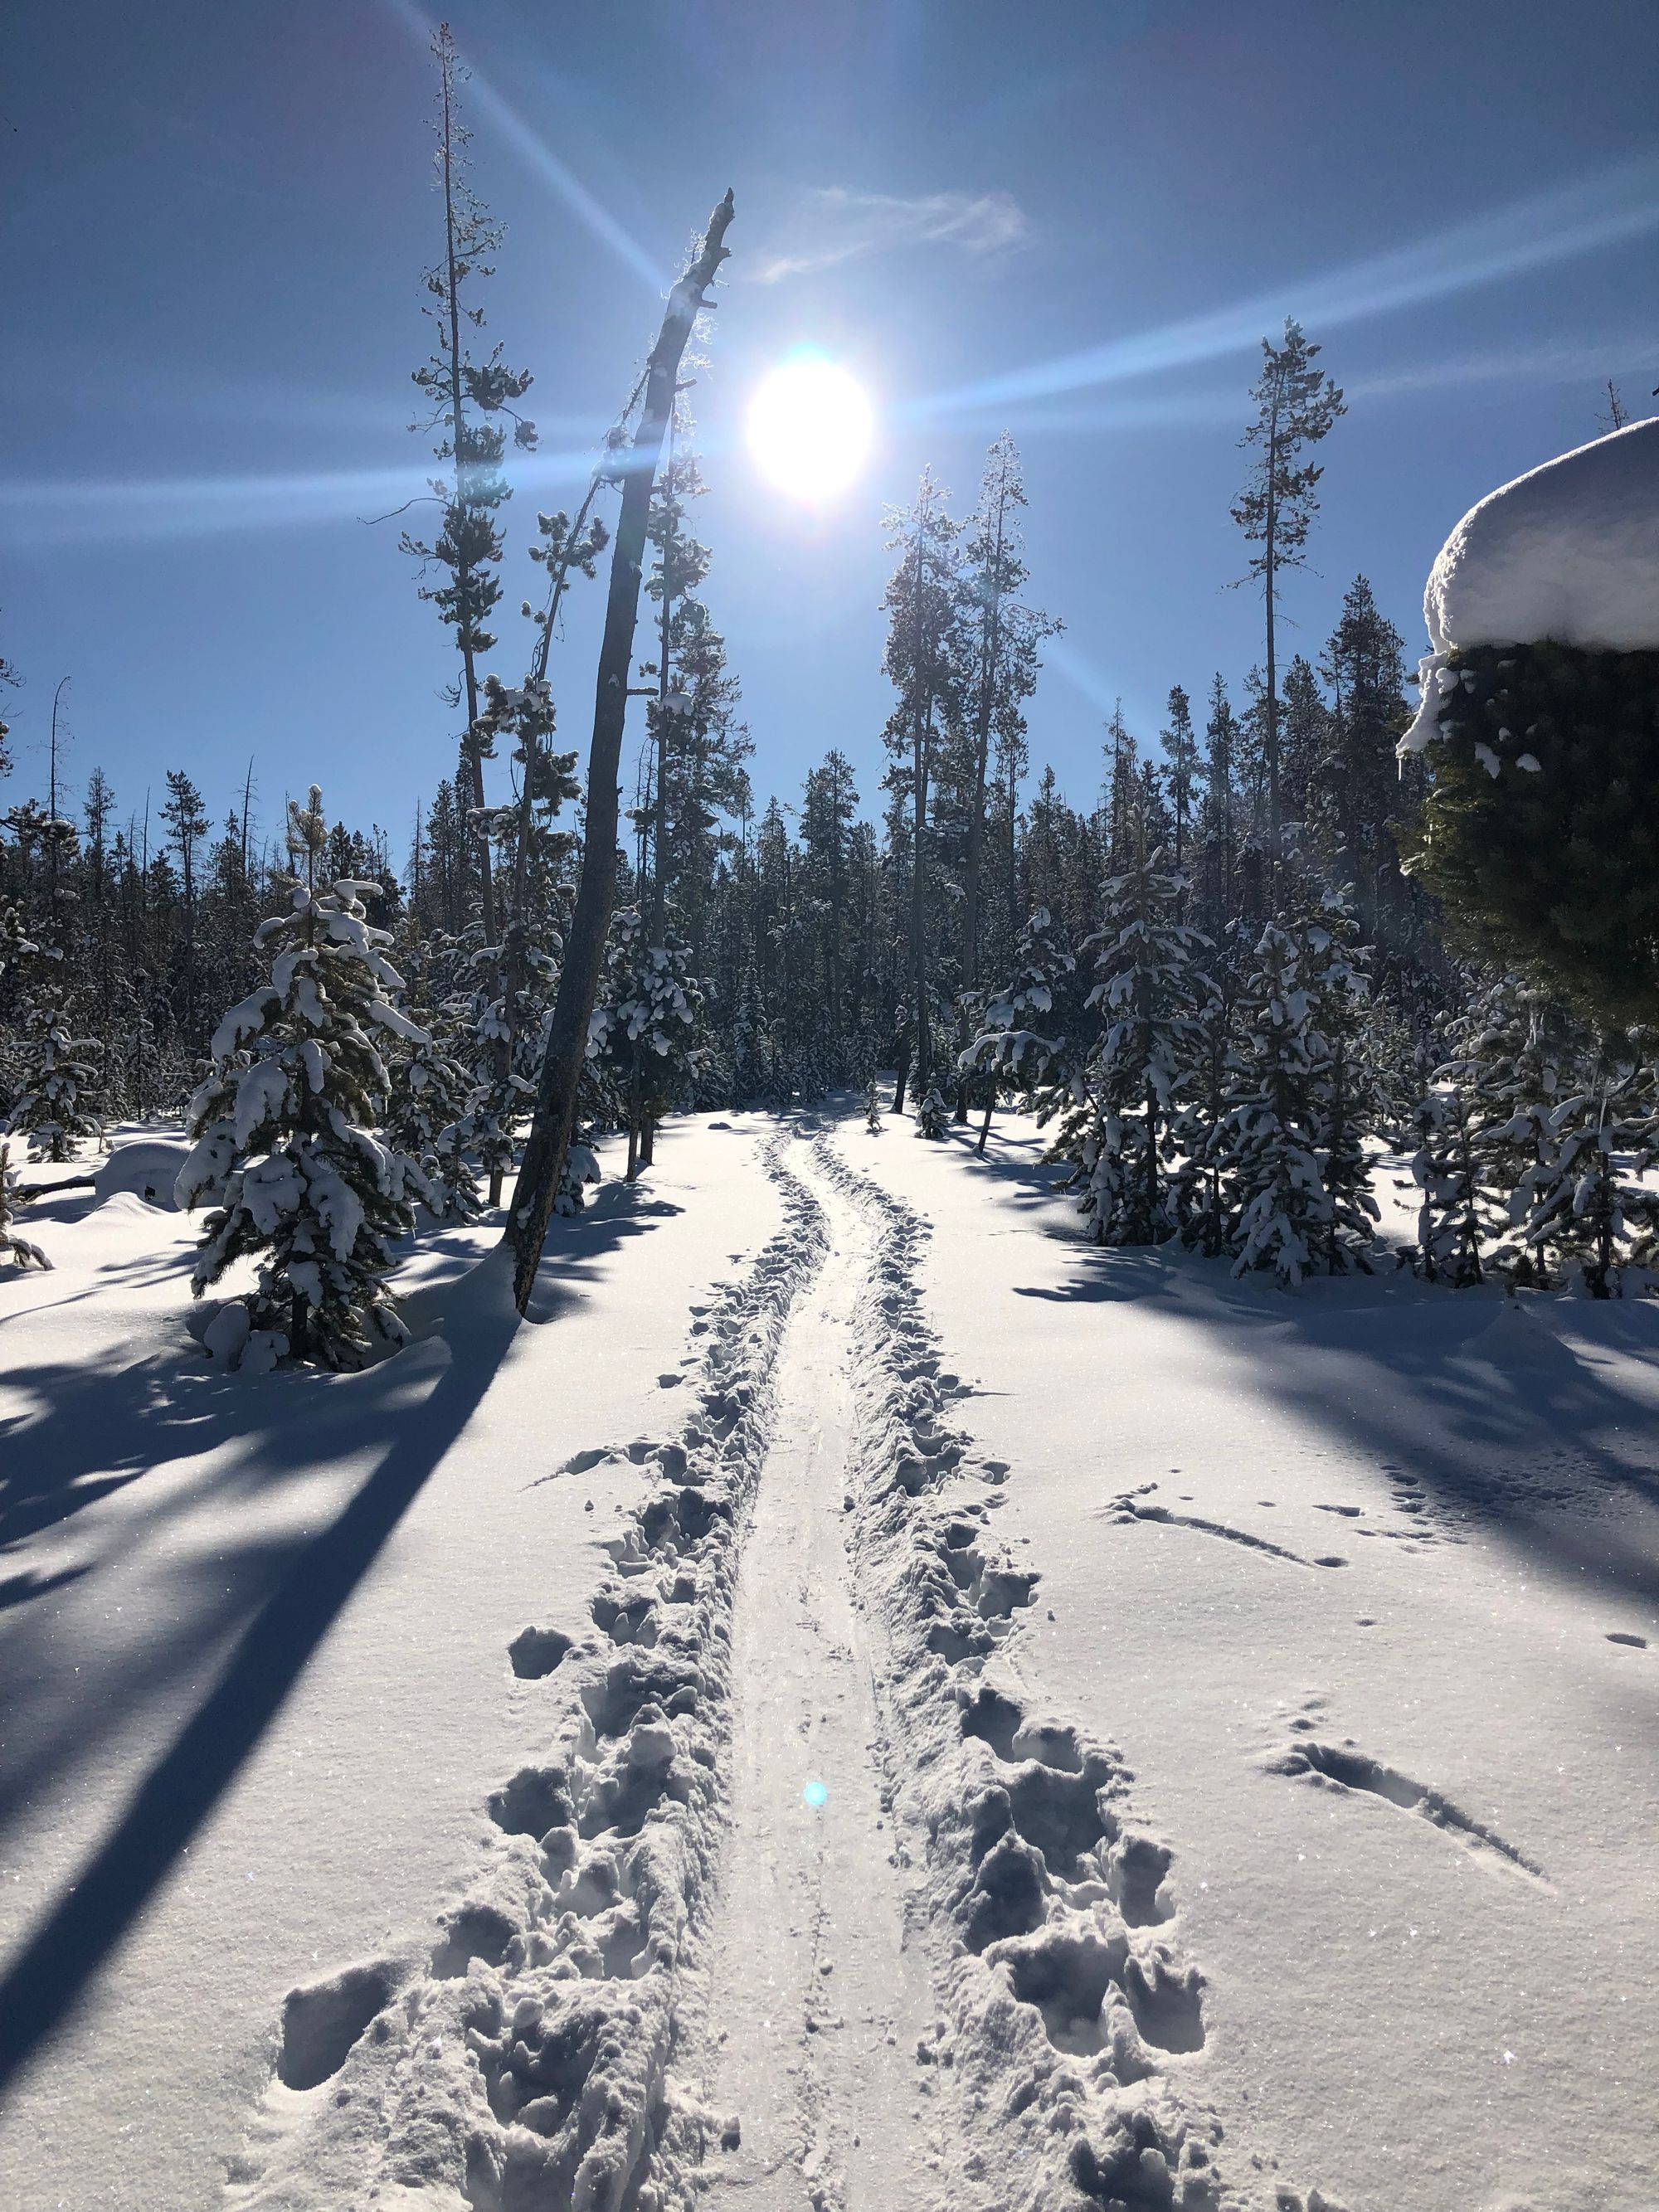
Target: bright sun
{"type": "Point", "coordinates": [810, 426]}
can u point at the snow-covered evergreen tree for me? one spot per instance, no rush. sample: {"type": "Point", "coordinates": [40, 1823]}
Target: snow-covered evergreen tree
{"type": "Point", "coordinates": [283, 1122]}
{"type": "Point", "coordinates": [1145, 994]}
{"type": "Point", "coordinates": [645, 1022]}
{"type": "Point", "coordinates": [15, 1250]}
{"type": "Point", "coordinates": [1580, 1205]}
{"type": "Point", "coordinates": [429, 1095]}
{"type": "Point", "coordinates": [1345, 1093]}
{"type": "Point", "coordinates": [1450, 1166]}
{"type": "Point", "coordinates": [1279, 1209]}
{"type": "Point", "coordinates": [1202, 1137]}
{"type": "Point", "coordinates": [932, 1111]}
{"type": "Point", "coordinates": [57, 1107]}
{"type": "Point", "coordinates": [513, 986]}
{"type": "Point", "coordinates": [1030, 1036]}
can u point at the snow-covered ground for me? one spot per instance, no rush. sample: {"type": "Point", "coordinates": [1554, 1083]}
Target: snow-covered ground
{"type": "Point", "coordinates": [872, 1702]}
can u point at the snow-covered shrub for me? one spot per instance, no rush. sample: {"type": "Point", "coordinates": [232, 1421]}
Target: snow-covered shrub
{"type": "Point", "coordinates": [15, 1250]}
{"type": "Point", "coordinates": [932, 1112]}
{"type": "Point", "coordinates": [283, 1121]}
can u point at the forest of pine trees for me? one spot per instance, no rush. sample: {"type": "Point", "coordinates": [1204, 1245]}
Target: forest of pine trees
{"type": "Point", "coordinates": [1215, 985]}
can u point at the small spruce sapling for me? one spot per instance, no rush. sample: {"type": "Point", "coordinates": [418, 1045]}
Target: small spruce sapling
{"type": "Point", "coordinates": [1279, 1206]}
{"type": "Point", "coordinates": [55, 1108]}
{"type": "Point", "coordinates": [15, 1250]}
{"type": "Point", "coordinates": [283, 1120]}
{"type": "Point", "coordinates": [932, 1111]}
{"type": "Point", "coordinates": [1145, 994]}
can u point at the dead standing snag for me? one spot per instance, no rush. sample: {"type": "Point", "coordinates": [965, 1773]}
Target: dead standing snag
{"type": "Point", "coordinates": [556, 1098]}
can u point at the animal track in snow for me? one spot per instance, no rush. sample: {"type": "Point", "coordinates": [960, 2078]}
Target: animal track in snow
{"type": "Point", "coordinates": [1127, 1508]}
{"type": "Point", "coordinates": [1344, 1766]}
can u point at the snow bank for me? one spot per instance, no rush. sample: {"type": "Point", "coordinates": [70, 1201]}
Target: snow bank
{"type": "Point", "coordinates": [1570, 552]}
{"type": "Point", "coordinates": [149, 1170]}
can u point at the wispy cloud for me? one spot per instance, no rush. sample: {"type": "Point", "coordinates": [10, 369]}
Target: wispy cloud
{"type": "Point", "coordinates": [1588, 363]}
{"type": "Point", "coordinates": [1600, 211]}
{"type": "Point", "coordinates": [831, 225]}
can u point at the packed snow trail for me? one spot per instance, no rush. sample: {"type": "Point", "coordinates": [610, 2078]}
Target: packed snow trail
{"type": "Point", "coordinates": [817, 2001]}
{"type": "Point", "coordinates": [811, 1910]}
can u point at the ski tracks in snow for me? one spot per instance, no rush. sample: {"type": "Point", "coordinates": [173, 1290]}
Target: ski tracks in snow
{"type": "Point", "coordinates": [809, 1912]}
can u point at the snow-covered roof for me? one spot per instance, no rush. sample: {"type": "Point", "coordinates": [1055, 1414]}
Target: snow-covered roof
{"type": "Point", "coordinates": [1569, 551]}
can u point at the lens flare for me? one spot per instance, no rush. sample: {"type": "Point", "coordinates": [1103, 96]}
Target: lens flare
{"type": "Point", "coordinates": [810, 427]}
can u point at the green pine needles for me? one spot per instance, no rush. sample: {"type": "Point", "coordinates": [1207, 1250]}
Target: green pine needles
{"type": "Point", "coordinates": [281, 1128]}
{"type": "Point", "coordinates": [1540, 829]}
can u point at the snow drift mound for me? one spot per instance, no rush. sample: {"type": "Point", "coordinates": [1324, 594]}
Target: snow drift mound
{"type": "Point", "coordinates": [1569, 552]}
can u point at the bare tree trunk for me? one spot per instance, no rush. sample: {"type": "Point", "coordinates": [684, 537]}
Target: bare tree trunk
{"type": "Point", "coordinates": [1270, 563]}
{"type": "Point", "coordinates": [470, 747]}
{"type": "Point", "coordinates": [548, 1143]}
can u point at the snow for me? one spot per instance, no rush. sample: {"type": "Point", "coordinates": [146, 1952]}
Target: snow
{"type": "Point", "coordinates": [1569, 551]}
{"type": "Point", "coordinates": [873, 1689]}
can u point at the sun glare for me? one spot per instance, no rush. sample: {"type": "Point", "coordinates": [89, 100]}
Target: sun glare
{"type": "Point", "coordinates": [810, 427]}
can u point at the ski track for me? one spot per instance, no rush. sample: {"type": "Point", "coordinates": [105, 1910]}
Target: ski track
{"type": "Point", "coordinates": [952, 1983]}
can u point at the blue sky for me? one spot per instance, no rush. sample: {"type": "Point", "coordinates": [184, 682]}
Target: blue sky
{"type": "Point", "coordinates": [1073, 220]}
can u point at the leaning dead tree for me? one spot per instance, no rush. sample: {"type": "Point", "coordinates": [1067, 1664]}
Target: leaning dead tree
{"type": "Point", "coordinates": [579, 982]}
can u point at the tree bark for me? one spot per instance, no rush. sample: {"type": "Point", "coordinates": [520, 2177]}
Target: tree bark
{"type": "Point", "coordinates": [549, 1142]}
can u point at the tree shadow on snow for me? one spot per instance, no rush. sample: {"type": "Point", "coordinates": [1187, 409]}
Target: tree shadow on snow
{"type": "Point", "coordinates": [1514, 1412]}
{"type": "Point", "coordinates": [284, 1593]}
{"type": "Point", "coordinates": [252, 1616]}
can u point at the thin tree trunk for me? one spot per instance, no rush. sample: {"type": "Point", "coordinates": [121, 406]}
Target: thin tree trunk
{"type": "Point", "coordinates": [548, 1143]}
{"type": "Point", "coordinates": [471, 753]}
{"type": "Point", "coordinates": [1270, 563]}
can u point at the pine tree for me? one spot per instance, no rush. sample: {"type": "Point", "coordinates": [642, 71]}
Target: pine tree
{"type": "Point", "coordinates": [1345, 1095]}
{"type": "Point", "coordinates": [646, 1024]}
{"type": "Point", "coordinates": [1579, 1205]}
{"type": "Point", "coordinates": [15, 1250]}
{"type": "Point", "coordinates": [430, 1094]}
{"type": "Point", "coordinates": [1279, 1208]}
{"type": "Point", "coordinates": [1120, 1132]}
{"type": "Point", "coordinates": [57, 1107]}
{"type": "Point", "coordinates": [1000, 641]}
{"type": "Point", "coordinates": [923, 662]}
{"type": "Point", "coordinates": [1450, 1167]}
{"type": "Point", "coordinates": [283, 1124]}
{"type": "Point", "coordinates": [1181, 752]}
{"type": "Point", "coordinates": [1202, 1134]}
{"type": "Point", "coordinates": [1297, 406]}
{"type": "Point", "coordinates": [467, 400]}
{"type": "Point", "coordinates": [1030, 1038]}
